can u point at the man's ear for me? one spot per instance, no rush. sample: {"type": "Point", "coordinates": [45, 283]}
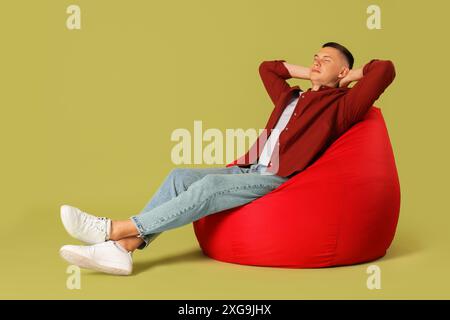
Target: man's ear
{"type": "Point", "coordinates": [344, 72]}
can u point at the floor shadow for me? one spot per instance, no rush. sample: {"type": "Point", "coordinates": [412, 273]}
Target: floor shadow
{"type": "Point", "coordinates": [188, 256]}
{"type": "Point", "coordinates": [402, 246]}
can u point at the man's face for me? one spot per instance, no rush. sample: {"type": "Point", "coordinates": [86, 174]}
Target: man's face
{"type": "Point", "coordinates": [329, 66]}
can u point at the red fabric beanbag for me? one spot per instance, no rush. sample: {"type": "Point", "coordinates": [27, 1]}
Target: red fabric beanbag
{"type": "Point", "coordinates": [342, 209]}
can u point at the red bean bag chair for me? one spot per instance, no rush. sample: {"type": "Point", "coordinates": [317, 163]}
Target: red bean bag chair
{"type": "Point", "coordinates": [342, 209]}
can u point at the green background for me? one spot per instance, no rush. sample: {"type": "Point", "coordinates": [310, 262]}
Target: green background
{"type": "Point", "coordinates": [86, 118]}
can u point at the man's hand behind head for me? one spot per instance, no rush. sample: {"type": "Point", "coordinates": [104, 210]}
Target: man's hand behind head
{"type": "Point", "coordinates": [353, 75]}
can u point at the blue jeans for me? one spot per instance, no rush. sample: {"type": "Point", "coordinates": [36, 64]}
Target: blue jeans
{"type": "Point", "coordinates": [188, 194]}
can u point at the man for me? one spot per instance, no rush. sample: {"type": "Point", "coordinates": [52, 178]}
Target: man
{"type": "Point", "coordinates": [302, 126]}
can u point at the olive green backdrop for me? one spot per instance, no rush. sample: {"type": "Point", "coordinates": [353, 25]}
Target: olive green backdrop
{"type": "Point", "coordinates": [86, 118]}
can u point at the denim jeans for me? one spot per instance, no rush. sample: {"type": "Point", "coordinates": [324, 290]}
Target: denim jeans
{"type": "Point", "coordinates": [188, 194]}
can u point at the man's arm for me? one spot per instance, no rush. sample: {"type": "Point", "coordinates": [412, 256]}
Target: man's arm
{"type": "Point", "coordinates": [298, 72]}
{"type": "Point", "coordinates": [353, 75]}
{"type": "Point", "coordinates": [372, 79]}
{"type": "Point", "coordinates": [274, 74]}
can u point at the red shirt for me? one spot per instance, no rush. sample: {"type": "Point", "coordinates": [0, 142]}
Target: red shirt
{"type": "Point", "coordinates": [319, 117]}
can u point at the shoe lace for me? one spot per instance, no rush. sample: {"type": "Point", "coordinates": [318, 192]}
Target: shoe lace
{"type": "Point", "coordinates": [100, 224]}
{"type": "Point", "coordinates": [97, 223]}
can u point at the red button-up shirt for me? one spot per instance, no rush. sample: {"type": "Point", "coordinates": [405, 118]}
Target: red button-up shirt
{"type": "Point", "coordinates": [319, 117]}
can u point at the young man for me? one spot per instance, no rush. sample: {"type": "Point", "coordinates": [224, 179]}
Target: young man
{"type": "Point", "coordinates": [302, 125]}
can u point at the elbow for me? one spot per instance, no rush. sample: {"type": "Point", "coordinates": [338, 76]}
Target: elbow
{"type": "Point", "coordinates": [270, 64]}
{"type": "Point", "coordinates": [389, 69]}
{"type": "Point", "coordinates": [384, 68]}
{"type": "Point", "coordinates": [262, 66]}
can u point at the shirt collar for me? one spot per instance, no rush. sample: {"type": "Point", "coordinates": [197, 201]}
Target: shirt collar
{"type": "Point", "coordinates": [323, 87]}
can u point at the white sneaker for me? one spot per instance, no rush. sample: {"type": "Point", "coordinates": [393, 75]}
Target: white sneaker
{"type": "Point", "coordinates": [84, 226]}
{"type": "Point", "coordinates": [109, 257]}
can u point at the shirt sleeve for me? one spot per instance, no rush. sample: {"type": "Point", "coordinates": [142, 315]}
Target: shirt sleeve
{"type": "Point", "coordinates": [377, 76]}
{"type": "Point", "coordinates": [274, 75]}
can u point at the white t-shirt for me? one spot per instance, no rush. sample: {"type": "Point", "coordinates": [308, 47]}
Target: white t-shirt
{"type": "Point", "coordinates": [267, 151]}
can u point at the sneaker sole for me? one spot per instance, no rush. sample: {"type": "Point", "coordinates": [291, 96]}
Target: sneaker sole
{"type": "Point", "coordinates": [83, 262]}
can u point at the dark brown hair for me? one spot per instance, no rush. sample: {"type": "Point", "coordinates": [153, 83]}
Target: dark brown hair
{"type": "Point", "coordinates": [347, 54]}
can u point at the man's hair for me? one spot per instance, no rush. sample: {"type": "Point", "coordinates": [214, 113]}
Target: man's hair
{"type": "Point", "coordinates": [347, 54]}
